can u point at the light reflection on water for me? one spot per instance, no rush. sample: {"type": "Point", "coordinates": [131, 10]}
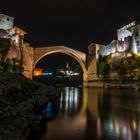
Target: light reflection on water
{"type": "Point", "coordinates": [69, 100]}
{"type": "Point", "coordinates": [88, 113]}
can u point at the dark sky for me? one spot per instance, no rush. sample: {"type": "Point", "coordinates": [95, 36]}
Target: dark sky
{"type": "Point", "coordinates": [56, 61]}
{"type": "Point", "coordinates": [73, 23]}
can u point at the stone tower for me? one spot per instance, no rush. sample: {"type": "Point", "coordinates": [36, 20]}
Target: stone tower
{"type": "Point", "coordinates": [6, 22]}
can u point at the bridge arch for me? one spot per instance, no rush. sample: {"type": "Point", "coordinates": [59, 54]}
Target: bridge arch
{"type": "Point", "coordinates": [80, 57]}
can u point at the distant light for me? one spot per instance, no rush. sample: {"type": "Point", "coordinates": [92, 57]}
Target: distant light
{"type": "Point", "coordinates": [137, 55]}
{"type": "Point", "coordinates": [47, 73]}
{"type": "Point", "coordinates": [76, 73]}
{"type": "Point", "coordinates": [38, 72]}
{"type": "Point", "coordinates": [134, 125]}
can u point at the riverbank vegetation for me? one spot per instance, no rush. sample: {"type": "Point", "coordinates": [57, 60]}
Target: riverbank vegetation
{"type": "Point", "coordinates": [60, 80]}
{"type": "Point", "coordinates": [19, 98]}
{"type": "Point", "coordinates": [13, 65]}
{"type": "Point", "coordinates": [126, 68]}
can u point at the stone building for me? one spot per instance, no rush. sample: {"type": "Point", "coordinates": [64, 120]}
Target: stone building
{"type": "Point", "coordinates": [127, 43]}
{"type": "Point", "coordinates": [19, 49]}
{"type": "Point", "coordinates": [6, 22]}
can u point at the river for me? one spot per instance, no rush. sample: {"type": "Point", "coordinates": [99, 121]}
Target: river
{"type": "Point", "coordinates": [94, 114]}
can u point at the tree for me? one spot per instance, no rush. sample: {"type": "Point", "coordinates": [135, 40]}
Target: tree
{"type": "Point", "coordinates": [7, 65]}
{"type": "Point", "coordinates": [4, 47]}
{"type": "Point", "coordinates": [129, 66]}
{"type": "Point", "coordinates": [136, 66]}
{"type": "Point", "coordinates": [13, 65]}
{"type": "Point", "coordinates": [103, 68]}
{"type": "Point", "coordinates": [121, 68]}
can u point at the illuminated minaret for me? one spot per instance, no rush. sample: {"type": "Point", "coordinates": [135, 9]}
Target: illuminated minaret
{"type": "Point", "coordinates": [67, 65]}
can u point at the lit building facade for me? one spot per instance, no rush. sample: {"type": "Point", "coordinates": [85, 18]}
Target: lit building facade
{"type": "Point", "coordinates": [38, 72]}
{"type": "Point", "coordinates": [128, 40]}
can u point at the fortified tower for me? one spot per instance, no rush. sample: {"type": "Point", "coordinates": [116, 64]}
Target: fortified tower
{"type": "Point", "coordinates": [6, 22]}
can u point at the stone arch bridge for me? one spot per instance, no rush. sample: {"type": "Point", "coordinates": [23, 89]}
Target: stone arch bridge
{"type": "Point", "coordinates": [32, 55]}
{"type": "Point", "coordinates": [80, 57]}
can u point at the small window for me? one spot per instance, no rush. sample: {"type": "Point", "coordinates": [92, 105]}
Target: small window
{"type": "Point", "coordinates": [8, 19]}
{"type": "Point", "coordinates": [137, 42]}
{"type": "Point", "coordinates": [136, 34]}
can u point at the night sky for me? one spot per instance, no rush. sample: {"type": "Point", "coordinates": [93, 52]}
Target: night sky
{"type": "Point", "coordinates": [73, 23]}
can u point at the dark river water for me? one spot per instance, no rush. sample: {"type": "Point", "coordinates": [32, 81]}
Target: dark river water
{"type": "Point", "coordinates": [94, 114]}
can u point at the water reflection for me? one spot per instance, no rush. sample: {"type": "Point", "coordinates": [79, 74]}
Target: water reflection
{"type": "Point", "coordinates": [86, 114]}
{"type": "Point", "coordinates": [68, 124]}
{"type": "Point", "coordinates": [119, 114]}
{"type": "Point", "coordinates": [48, 111]}
{"type": "Point", "coordinates": [70, 101]}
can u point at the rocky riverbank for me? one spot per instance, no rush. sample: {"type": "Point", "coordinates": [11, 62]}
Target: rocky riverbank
{"type": "Point", "coordinates": [19, 98]}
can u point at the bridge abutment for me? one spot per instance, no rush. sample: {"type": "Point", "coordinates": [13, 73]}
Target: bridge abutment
{"type": "Point", "coordinates": [27, 61]}
{"type": "Point", "coordinates": [92, 62]}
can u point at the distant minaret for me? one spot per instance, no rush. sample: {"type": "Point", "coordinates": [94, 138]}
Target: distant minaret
{"type": "Point", "coordinates": [67, 65]}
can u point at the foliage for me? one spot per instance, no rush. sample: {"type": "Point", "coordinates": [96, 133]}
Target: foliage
{"type": "Point", "coordinates": [136, 62]}
{"type": "Point", "coordinates": [121, 68]}
{"type": "Point", "coordinates": [4, 47]}
{"type": "Point", "coordinates": [136, 65]}
{"type": "Point", "coordinates": [60, 80]}
{"type": "Point", "coordinates": [103, 68]}
{"type": "Point", "coordinates": [129, 66]}
{"type": "Point", "coordinates": [13, 65]}
{"type": "Point", "coordinates": [7, 65]}
{"type": "Point", "coordinates": [17, 105]}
